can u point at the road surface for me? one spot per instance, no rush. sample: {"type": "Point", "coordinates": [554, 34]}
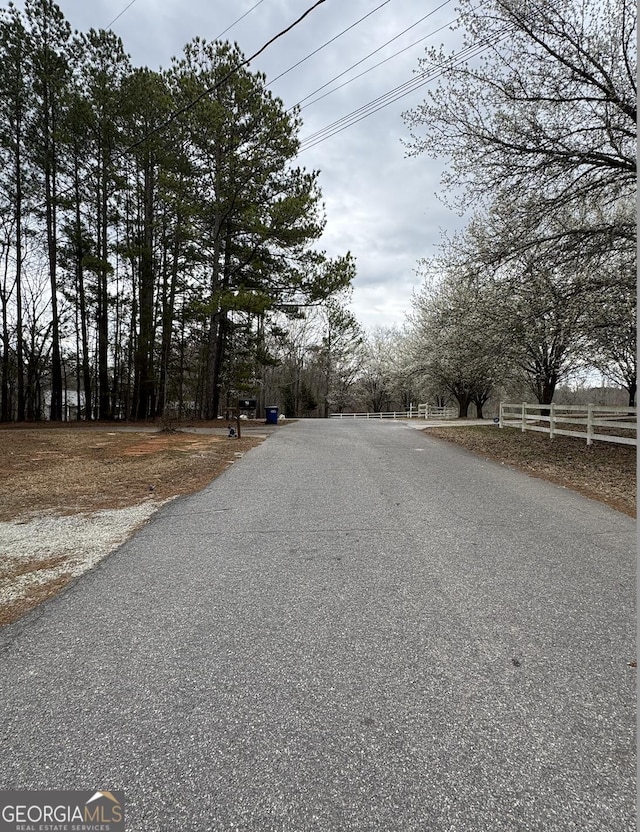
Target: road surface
{"type": "Point", "coordinates": [355, 628]}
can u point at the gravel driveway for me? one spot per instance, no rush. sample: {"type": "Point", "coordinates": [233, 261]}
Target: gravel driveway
{"type": "Point", "coordinates": [355, 628]}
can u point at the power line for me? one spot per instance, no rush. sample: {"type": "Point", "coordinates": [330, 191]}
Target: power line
{"type": "Point", "coordinates": [320, 48]}
{"type": "Point", "coordinates": [234, 69]}
{"type": "Point", "coordinates": [398, 92]}
{"type": "Point", "coordinates": [207, 91]}
{"type": "Point", "coordinates": [219, 83]}
{"type": "Point", "coordinates": [375, 51]}
{"type": "Point", "coordinates": [380, 103]}
{"type": "Point", "coordinates": [242, 17]}
{"type": "Point", "coordinates": [375, 66]}
{"type": "Point", "coordinates": [235, 22]}
{"type": "Point", "coordinates": [109, 25]}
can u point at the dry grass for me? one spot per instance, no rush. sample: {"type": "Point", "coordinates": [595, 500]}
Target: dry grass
{"type": "Point", "coordinates": [72, 470]}
{"type": "Point", "coordinates": [602, 471]}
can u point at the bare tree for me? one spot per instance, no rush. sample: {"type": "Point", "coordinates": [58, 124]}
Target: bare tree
{"type": "Point", "coordinates": [50, 35]}
{"type": "Point", "coordinates": [14, 85]}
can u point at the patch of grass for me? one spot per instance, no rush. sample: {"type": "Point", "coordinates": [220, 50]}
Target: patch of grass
{"type": "Point", "coordinates": [66, 470]}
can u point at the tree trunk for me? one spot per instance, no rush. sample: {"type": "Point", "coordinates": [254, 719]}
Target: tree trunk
{"type": "Point", "coordinates": [216, 341]}
{"type": "Point", "coordinates": [223, 329]}
{"type": "Point", "coordinates": [55, 412]}
{"type": "Point", "coordinates": [19, 322]}
{"type": "Point", "coordinates": [104, 398]}
{"type": "Point", "coordinates": [5, 405]}
{"type": "Point", "coordinates": [84, 334]}
{"type": "Point", "coordinates": [168, 311]}
{"type": "Point", "coordinates": [327, 385]}
{"type": "Point", "coordinates": [145, 385]}
{"type": "Point", "coordinates": [479, 400]}
{"type": "Point", "coordinates": [217, 366]}
{"type": "Point", "coordinates": [546, 389]}
{"type": "Point", "coordinates": [632, 388]}
{"type": "Point", "coordinates": [464, 400]}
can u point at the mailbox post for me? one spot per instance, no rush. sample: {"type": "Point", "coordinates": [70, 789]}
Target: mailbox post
{"type": "Point", "coordinates": [245, 404]}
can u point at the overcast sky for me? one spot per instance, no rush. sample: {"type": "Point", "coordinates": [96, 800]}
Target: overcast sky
{"type": "Point", "coordinates": [381, 205]}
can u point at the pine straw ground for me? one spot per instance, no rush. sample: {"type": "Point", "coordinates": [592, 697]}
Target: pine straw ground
{"type": "Point", "coordinates": [54, 470]}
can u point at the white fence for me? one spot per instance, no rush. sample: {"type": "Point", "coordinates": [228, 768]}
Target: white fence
{"type": "Point", "coordinates": [428, 411]}
{"type": "Point", "coordinates": [423, 411]}
{"type": "Point", "coordinates": [619, 422]}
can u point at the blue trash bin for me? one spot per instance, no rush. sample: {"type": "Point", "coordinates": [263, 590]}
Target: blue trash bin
{"type": "Point", "coordinates": [272, 415]}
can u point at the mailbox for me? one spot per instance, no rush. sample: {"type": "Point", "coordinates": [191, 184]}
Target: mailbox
{"type": "Point", "coordinates": [247, 404]}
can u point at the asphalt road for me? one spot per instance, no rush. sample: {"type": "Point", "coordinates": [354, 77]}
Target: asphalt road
{"type": "Point", "coordinates": [354, 628]}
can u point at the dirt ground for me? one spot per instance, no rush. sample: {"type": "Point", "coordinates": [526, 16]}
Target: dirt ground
{"type": "Point", "coordinates": [71, 470]}
{"type": "Point", "coordinates": [65, 471]}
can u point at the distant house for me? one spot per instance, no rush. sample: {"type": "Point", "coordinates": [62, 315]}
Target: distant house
{"type": "Point", "coordinates": [69, 405]}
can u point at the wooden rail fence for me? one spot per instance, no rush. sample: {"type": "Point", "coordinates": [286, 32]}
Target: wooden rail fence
{"type": "Point", "coordinates": [585, 421]}
{"type": "Point", "coordinates": [422, 411]}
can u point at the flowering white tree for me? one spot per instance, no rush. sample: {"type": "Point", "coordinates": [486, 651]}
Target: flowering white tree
{"type": "Point", "coordinates": [455, 347]}
{"type": "Point", "coordinates": [541, 122]}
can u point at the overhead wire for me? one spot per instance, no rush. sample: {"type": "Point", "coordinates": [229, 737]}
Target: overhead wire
{"type": "Point", "coordinates": [177, 113]}
{"type": "Point", "coordinates": [235, 22]}
{"type": "Point", "coordinates": [367, 71]}
{"type": "Point", "coordinates": [375, 52]}
{"type": "Point", "coordinates": [182, 110]}
{"type": "Point", "coordinates": [117, 17]}
{"type": "Point", "coordinates": [351, 118]}
{"type": "Point", "coordinates": [395, 94]}
{"type": "Point", "coordinates": [327, 43]}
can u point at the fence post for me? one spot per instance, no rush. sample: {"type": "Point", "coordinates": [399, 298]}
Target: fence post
{"type": "Point", "coordinates": [524, 416]}
{"type": "Point", "coordinates": [500, 421]}
{"type": "Point", "coordinates": [552, 416]}
{"type": "Point", "coordinates": [589, 424]}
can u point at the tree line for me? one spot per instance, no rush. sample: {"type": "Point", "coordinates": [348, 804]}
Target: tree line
{"type": "Point", "coordinates": [156, 234]}
{"type": "Point", "coordinates": [158, 241]}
